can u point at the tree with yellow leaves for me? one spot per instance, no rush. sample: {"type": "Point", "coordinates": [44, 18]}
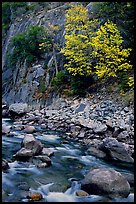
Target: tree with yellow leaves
{"type": "Point", "coordinates": [91, 50]}
{"type": "Point", "coordinates": [110, 57]}
{"type": "Point", "coordinates": [77, 50]}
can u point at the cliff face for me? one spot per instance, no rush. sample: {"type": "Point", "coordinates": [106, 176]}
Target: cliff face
{"type": "Point", "coordinates": [21, 82]}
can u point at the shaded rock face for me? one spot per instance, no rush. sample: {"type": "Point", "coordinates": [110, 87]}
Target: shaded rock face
{"type": "Point", "coordinates": [15, 89]}
{"type": "Point", "coordinates": [115, 150]}
{"type": "Point", "coordinates": [107, 182]}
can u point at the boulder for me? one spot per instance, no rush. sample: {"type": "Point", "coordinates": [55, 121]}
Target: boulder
{"type": "Point", "coordinates": [41, 161]}
{"type": "Point", "coordinates": [96, 152]}
{"type": "Point", "coordinates": [44, 158]}
{"type": "Point", "coordinates": [18, 109]}
{"type": "Point", "coordinates": [101, 128]}
{"type": "Point", "coordinates": [115, 150]}
{"type": "Point", "coordinates": [106, 182]}
{"type": "Point", "coordinates": [30, 129]}
{"type": "Point", "coordinates": [30, 143]}
{"type": "Point", "coordinates": [23, 154]}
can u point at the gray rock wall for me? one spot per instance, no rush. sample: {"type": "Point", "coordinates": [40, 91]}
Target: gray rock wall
{"type": "Point", "coordinates": [21, 82]}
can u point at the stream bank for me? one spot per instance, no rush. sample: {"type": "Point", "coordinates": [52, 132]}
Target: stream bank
{"type": "Point", "coordinates": [101, 132]}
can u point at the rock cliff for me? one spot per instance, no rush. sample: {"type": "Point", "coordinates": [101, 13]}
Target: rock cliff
{"type": "Point", "coordinates": [21, 83]}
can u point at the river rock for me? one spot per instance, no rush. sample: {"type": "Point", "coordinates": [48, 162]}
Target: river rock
{"type": "Point", "coordinates": [29, 142]}
{"type": "Point", "coordinates": [41, 161]}
{"type": "Point", "coordinates": [23, 154]}
{"type": "Point", "coordinates": [96, 152]}
{"type": "Point", "coordinates": [5, 113]}
{"type": "Point", "coordinates": [30, 129]}
{"type": "Point", "coordinates": [44, 158]}
{"type": "Point", "coordinates": [47, 151]}
{"type": "Point", "coordinates": [107, 182]}
{"type": "Point", "coordinates": [115, 150]}
{"type": "Point", "coordinates": [18, 109]}
{"type": "Point", "coordinates": [5, 129]}
{"type": "Point", "coordinates": [34, 196]}
{"type": "Point", "coordinates": [5, 165]}
{"type": "Point", "coordinates": [81, 193]}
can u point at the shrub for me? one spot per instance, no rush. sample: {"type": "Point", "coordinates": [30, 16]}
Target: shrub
{"type": "Point", "coordinates": [60, 79]}
{"type": "Point", "coordinates": [26, 46]}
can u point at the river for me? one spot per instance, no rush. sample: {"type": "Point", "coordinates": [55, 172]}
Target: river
{"type": "Point", "coordinates": [58, 182]}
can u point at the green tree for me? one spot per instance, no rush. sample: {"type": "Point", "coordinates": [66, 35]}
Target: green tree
{"type": "Point", "coordinates": [26, 46]}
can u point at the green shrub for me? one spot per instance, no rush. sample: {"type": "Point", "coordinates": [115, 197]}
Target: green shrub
{"type": "Point", "coordinates": [26, 46]}
{"type": "Point", "coordinates": [79, 84]}
{"type": "Point", "coordinates": [123, 82]}
{"type": "Point", "coordinates": [5, 16]}
{"type": "Point", "coordinates": [60, 79]}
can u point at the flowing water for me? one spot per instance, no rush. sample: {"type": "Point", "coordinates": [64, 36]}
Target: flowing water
{"type": "Point", "coordinates": [57, 183]}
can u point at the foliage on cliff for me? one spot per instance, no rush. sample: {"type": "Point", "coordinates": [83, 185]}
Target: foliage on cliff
{"type": "Point", "coordinates": [93, 49]}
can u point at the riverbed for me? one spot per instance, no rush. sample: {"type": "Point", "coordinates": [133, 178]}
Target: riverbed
{"type": "Point", "coordinates": [58, 182]}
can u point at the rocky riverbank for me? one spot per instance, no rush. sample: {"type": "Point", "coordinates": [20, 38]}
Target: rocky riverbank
{"type": "Point", "coordinates": [104, 126]}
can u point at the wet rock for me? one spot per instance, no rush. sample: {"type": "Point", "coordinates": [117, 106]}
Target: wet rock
{"type": "Point", "coordinates": [29, 142]}
{"type": "Point", "coordinates": [44, 159]}
{"type": "Point", "coordinates": [34, 196]}
{"type": "Point", "coordinates": [96, 152]}
{"type": "Point", "coordinates": [107, 182]}
{"type": "Point", "coordinates": [5, 113]}
{"type": "Point", "coordinates": [5, 129]}
{"type": "Point", "coordinates": [23, 154]}
{"type": "Point", "coordinates": [81, 193]}
{"type": "Point", "coordinates": [115, 150]}
{"type": "Point", "coordinates": [18, 109]}
{"type": "Point", "coordinates": [30, 129]}
{"type": "Point", "coordinates": [47, 151]}
{"type": "Point", "coordinates": [5, 165]}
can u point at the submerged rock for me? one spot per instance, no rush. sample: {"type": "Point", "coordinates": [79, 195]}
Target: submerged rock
{"type": "Point", "coordinates": [107, 182]}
